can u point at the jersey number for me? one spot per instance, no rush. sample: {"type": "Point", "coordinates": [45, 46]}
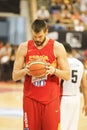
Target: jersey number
{"type": "Point", "coordinates": [74, 76]}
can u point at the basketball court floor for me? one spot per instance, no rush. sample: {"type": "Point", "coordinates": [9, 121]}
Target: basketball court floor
{"type": "Point", "coordinates": [11, 107]}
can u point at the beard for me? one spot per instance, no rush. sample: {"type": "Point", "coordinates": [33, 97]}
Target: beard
{"type": "Point", "coordinates": [39, 43]}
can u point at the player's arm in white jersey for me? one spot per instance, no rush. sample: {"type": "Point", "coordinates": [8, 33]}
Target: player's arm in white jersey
{"type": "Point", "coordinates": [84, 91]}
{"type": "Point", "coordinates": [83, 82]}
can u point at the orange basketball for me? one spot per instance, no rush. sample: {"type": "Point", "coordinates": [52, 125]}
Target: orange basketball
{"type": "Point", "coordinates": [37, 68]}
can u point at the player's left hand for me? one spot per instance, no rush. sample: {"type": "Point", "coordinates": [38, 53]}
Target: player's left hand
{"type": "Point", "coordinates": [50, 70]}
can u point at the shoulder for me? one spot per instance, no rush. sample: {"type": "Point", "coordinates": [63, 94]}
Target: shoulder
{"type": "Point", "coordinates": [76, 62]}
{"type": "Point", "coordinates": [22, 49]}
{"type": "Point", "coordinates": [58, 45]}
{"type": "Point", "coordinates": [59, 48]}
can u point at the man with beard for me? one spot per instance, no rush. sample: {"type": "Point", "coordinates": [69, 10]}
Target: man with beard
{"type": "Point", "coordinates": [41, 103]}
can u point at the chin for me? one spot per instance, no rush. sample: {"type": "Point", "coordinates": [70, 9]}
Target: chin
{"type": "Point", "coordinates": [39, 44]}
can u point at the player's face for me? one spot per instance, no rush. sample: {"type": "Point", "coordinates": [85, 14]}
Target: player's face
{"type": "Point", "coordinates": [39, 38]}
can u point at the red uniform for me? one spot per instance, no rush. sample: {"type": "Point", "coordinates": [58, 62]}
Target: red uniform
{"type": "Point", "coordinates": [41, 103]}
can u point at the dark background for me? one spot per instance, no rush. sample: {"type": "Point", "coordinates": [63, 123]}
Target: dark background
{"type": "Point", "coordinates": [12, 6]}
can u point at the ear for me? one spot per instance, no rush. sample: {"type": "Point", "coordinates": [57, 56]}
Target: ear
{"type": "Point", "coordinates": [46, 30]}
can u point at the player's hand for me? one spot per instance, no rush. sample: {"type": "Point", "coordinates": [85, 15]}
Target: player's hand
{"type": "Point", "coordinates": [50, 70]}
{"type": "Point", "coordinates": [27, 69]}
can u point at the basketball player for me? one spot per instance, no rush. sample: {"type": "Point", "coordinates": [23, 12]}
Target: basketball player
{"type": "Point", "coordinates": [41, 103]}
{"type": "Point", "coordinates": [70, 101]}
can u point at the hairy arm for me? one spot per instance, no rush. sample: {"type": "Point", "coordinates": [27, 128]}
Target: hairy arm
{"type": "Point", "coordinates": [19, 70]}
{"type": "Point", "coordinates": [84, 91]}
{"type": "Point", "coordinates": [63, 70]}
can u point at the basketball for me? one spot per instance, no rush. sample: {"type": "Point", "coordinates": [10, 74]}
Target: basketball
{"type": "Point", "coordinates": [37, 68]}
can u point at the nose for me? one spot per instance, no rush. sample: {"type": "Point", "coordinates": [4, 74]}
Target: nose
{"type": "Point", "coordinates": [37, 39]}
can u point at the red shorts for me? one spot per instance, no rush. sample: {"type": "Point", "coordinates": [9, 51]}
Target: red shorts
{"type": "Point", "coordinates": [39, 116]}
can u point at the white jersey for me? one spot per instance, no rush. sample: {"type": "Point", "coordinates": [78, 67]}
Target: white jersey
{"type": "Point", "coordinates": [72, 86]}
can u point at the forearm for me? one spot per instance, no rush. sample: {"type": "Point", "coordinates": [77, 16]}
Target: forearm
{"type": "Point", "coordinates": [84, 91]}
{"type": "Point", "coordinates": [62, 74]}
{"type": "Point", "coordinates": [65, 75]}
{"type": "Point", "coordinates": [17, 75]}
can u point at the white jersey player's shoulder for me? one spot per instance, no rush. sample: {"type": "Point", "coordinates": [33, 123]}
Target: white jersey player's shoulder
{"type": "Point", "coordinates": [75, 61]}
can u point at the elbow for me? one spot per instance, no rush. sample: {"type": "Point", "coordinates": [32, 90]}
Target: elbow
{"type": "Point", "coordinates": [67, 76]}
{"type": "Point", "coordinates": [14, 77]}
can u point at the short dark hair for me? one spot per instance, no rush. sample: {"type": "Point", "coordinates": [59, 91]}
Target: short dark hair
{"type": "Point", "coordinates": [67, 47]}
{"type": "Point", "coordinates": [39, 25]}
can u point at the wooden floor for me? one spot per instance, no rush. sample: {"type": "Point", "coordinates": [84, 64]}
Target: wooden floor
{"type": "Point", "coordinates": [11, 107]}
{"type": "Point", "coordinates": [82, 119]}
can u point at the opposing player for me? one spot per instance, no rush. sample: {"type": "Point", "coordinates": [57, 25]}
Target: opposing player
{"type": "Point", "coordinates": [41, 103]}
{"type": "Point", "coordinates": [70, 101]}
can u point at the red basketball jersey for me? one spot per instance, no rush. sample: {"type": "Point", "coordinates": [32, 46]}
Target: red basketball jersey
{"type": "Point", "coordinates": [48, 88]}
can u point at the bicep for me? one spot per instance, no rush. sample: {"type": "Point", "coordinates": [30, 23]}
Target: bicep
{"type": "Point", "coordinates": [84, 80]}
{"type": "Point", "coordinates": [19, 59]}
{"type": "Point", "coordinates": [62, 58]}
{"type": "Point", "coordinates": [63, 63]}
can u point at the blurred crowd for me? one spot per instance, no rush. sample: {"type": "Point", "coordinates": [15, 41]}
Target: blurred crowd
{"type": "Point", "coordinates": [7, 56]}
{"type": "Point", "coordinates": [67, 16]}
{"type": "Point", "coordinates": [62, 17]}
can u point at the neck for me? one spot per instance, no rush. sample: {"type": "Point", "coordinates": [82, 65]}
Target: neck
{"type": "Point", "coordinates": [69, 55]}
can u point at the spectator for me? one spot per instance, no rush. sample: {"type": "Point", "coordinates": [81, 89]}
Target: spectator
{"type": "Point", "coordinates": [77, 5]}
{"type": "Point", "coordinates": [43, 13]}
{"type": "Point", "coordinates": [12, 58]}
{"type": "Point", "coordinates": [55, 9]}
{"type": "Point", "coordinates": [5, 62]}
{"type": "Point", "coordinates": [66, 14]}
{"type": "Point", "coordinates": [83, 17]}
{"type": "Point", "coordinates": [83, 5]}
